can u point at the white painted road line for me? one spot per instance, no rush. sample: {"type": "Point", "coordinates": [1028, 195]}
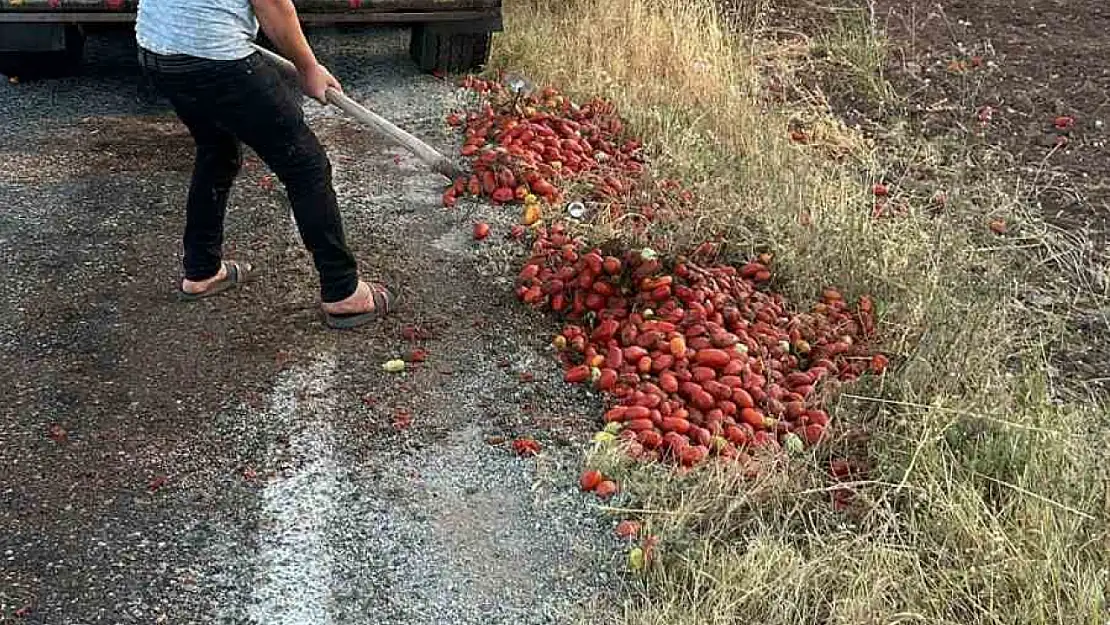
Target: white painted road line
{"type": "Point", "coordinates": [295, 560]}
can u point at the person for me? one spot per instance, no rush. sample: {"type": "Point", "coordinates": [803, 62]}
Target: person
{"type": "Point", "coordinates": [198, 54]}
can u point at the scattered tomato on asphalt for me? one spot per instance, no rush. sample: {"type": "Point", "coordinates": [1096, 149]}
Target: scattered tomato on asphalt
{"type": "Point", "coordinates": [402, 419]}
{"type": "Point", "coordinates": [526, 447]}
{"type": "Point", "coordinates": [481, 230]}
{"type": "Point", "coordinates": [606, 489]}
{"type": "Point", "coordinates": [628, 529]}
{"type": "Point", "coordinates": [590, 479]}
{"type": "Point", "coordinates": [57, 433]}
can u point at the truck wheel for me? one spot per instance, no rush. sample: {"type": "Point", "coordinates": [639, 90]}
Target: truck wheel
{"type": "Point", "coordinates": [440, 48]}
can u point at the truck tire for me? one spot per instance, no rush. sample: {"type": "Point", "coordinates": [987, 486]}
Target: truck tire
{"type": "Point", "coordinates": [49, 64]}
{"type": "Point", "coordinates": [437, 48]}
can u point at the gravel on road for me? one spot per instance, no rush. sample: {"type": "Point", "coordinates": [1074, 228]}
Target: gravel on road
{"type": "Point", "coordinates": [232, 460]}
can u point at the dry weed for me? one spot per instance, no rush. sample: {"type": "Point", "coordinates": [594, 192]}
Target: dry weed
{"type": "Point", "coordinates": [987, 499]}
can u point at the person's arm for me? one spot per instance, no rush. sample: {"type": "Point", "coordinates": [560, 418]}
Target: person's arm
{"type": "Point", "coordinates": [278, 19]}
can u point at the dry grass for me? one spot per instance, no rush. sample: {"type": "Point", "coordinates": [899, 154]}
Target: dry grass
{"type": "Point", "coordinates": [988, 499]}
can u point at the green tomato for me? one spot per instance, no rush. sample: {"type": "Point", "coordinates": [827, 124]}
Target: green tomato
{"type": "Point", "coordinates": [604, 437]}
{"type": "Point", "coordinates": [793, 443]}
{"type": "Point", "coordinates": [636, 559]}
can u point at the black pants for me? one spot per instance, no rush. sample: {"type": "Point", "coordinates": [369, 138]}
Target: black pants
{"type": "Point", "coordinates": [224, 103]}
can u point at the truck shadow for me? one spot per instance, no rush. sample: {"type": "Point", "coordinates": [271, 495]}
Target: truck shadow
{"type": "Point", "coordinates": [108, 64]}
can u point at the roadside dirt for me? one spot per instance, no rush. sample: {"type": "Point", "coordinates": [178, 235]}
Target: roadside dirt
{"type": "Point", "coordinates": [1034, 81]}
{"type": "Point", "coordinates": [1025, 90]}
{"type": "Point", "coordinates": [1040, 75]}
{"type": "Point", "coordinates": [1042, 61]}
{"type": "Point", "coordinates": [1031, 65]}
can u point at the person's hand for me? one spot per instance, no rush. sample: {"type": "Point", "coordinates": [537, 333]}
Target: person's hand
{"type": "Point", "coordinates": [315, 82]}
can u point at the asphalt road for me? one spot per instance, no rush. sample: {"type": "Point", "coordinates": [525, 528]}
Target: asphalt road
{"type": "Point", "coordinates": [233, 461]}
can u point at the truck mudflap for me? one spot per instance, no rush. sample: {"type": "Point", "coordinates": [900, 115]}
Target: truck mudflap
{"type": "Point", "coordinates": [41, 50]}
{"type": "Point", "coordinates": [19, 38]}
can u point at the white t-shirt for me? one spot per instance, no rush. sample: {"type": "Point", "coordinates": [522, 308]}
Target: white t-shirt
{"type": "Point", "coordinates": [220, 30]}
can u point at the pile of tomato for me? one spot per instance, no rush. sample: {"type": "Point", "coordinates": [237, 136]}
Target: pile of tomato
{"type": "Point", "coordinates": [545, 146]}
{"type": "Point", "coordinates": [696, 360]}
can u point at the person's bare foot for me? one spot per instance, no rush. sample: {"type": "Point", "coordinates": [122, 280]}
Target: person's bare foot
{"type": "Point", "coordinates": [231, 274]}
{"type": "Point", "coordinates": [361, 301]}
{"type": "Point", "coordinates": [370, 301]}
{"type": "Point", "coordinates": [196, 287]}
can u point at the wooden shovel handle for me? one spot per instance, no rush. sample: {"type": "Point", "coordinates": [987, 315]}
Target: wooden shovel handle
{"type": "Point", "coordinates": [438, 162]}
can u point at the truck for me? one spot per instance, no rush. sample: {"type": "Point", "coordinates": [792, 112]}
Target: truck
{"type": "Point", "coordinates": [448, 36]}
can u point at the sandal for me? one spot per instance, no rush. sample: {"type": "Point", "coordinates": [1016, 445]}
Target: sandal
{"type": "Point", "coordinates": [237, 273]}
{"type": "Point", "coordinates": [383, 304]}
